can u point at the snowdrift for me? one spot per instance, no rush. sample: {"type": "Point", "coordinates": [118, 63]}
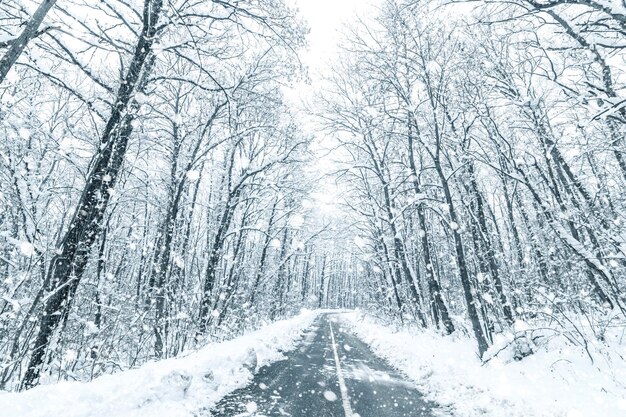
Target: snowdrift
{"type": "Point", "coordinates": [557, 380]}
{"type": "Point", "coordinates": [177, 387]}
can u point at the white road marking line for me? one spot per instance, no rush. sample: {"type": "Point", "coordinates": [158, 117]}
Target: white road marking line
{"type": "Point", "coordinates": [345, 399]}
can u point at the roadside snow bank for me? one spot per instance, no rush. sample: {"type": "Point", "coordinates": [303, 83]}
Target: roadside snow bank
{"type": "Point", "coordinates": [558, 382]}
{"type": "Point", "coordinates": [177, 387]}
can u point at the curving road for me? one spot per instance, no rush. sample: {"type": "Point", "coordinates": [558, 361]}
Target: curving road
{"type": "Point", "coordinates": [332, 374]}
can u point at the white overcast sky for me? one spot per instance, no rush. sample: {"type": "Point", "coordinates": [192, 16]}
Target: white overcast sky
{"type": "Point", "coordinates": [325, 19]}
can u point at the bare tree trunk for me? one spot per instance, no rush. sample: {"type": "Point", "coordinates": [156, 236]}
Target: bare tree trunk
{"type": "Point", "coordinates": [490, 253]}
{"type": "Point", "coordinates": [211, 269]}
{"type": "Point", "coordinates": [462, 265]}
{"type": "Point", "coordinates": [320, 296]}
{"type": "Point", "coordinates": [437, 304]}
{"type": "Point", "coordinates": [262, 261]}
{"type": "Point", "coordinates": [19, 44]}
{"type": "Point", "coordinates": [67, 267]}
{"type": "Point", "coordinates": [279, 286]}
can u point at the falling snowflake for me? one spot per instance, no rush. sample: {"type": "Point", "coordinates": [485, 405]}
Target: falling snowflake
{"type": "Point", "coordinates": [330, 396]}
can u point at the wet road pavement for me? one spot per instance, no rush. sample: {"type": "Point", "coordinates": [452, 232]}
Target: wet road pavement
{"type": "Point", "coordinates": [331, 374]}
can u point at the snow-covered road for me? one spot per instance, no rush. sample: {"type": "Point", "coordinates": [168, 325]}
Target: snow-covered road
{"type": "Point", "coordinates": [332, 374]}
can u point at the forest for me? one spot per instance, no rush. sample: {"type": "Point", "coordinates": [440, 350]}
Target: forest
{"type": "Point", "coordinates": [159, 186]}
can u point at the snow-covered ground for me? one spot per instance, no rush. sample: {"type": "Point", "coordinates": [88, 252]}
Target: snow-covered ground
{"type": "Point", "coordinates": [558, 380]}
{"type": "Point", "coordinates": [176, 387]}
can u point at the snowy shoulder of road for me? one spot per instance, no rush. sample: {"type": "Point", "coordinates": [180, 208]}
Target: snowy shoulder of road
{"type": "Point", "coordinates": [558, 380]}
{"type": "Point", "coordinates": [177, 387]}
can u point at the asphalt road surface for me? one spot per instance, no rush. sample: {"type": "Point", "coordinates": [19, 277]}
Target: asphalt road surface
{"type": "Point", "coordinates": [332, 374]}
